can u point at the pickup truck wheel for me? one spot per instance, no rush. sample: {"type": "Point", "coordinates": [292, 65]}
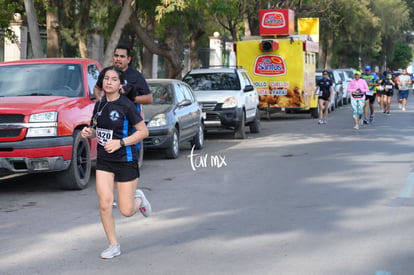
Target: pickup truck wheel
{"type": "Point", "coordinates": [198, 140]}
{"type": "Point", "coordinates": [239, 132]}
{"type": "Point", "coordinates": [174, 150]}
{"type": "Point", "coordinates": [79, 172]}
{"type": "Point", "coordinates": [255, 125]}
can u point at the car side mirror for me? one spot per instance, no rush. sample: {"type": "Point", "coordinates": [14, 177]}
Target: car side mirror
{"type": "Point", "coordinates": [248, 88]}
{"type": "Point", "coordinates": [92, 95]}
{"type": "Point", "coordinates": [185, 102]}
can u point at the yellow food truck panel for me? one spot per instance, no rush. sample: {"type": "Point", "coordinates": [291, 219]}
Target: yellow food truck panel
{"type": "Point", "coordinates": [283, 73]}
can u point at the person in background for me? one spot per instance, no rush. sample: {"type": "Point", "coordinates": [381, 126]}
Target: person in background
{"type": "Point", "coordinates": [324, 97]}
{"type": "Point", "coordinates": [118, 126]}
{"type": "Point", "coordinates": [387, 85]}
{"type": "Point", "coordinates": [136, 87]}
{"type": "Point", "coordinates": [371, 79]}
{"type": "Point", "coordinates": [380, 88]}
{"type": "Point", "coordinates": [404, 82]}
{"type": "Point", "coordinates": [357, 88]}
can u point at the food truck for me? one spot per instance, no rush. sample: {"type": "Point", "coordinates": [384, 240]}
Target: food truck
{"type": "Point", "coordinates": [281, 63]}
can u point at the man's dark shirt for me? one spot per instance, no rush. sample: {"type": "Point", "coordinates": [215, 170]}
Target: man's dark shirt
{"type": "Point", "coordinates": [135, 83]}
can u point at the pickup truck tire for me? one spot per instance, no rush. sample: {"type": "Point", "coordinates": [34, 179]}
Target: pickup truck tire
{"type": "Point", "coordinates": [198, 140]}
{"type": "Point", "coordinates": [174, 150]}
{"type": "Point", "coordinates": [78, 174]}
{"type": "Point", "coordinates": [239, 132]}
{"type": "Point", "coordinates": [255, 125]}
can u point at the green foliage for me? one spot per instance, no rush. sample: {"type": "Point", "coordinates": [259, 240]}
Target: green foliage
{"type": "Point", "coordinates": [350, 28]}
{"type": "Point", "coordinates": [402, 55]}
{"type": "Point", "coordinates": [7, 11]}
{"type": "Point", "coordinates": [169, 6]}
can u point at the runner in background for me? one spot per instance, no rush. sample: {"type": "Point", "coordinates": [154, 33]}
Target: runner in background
{"type": "Point", "coordinates": [404, 83]}
{"type": "Point", "coordinates": [387, 84]}
{"type": "Point", "coordinates": [372, 81]}
{"type": "Point", "coordinates": [357, 88]}
{"type": "Point", "coordinates": [324, 96]}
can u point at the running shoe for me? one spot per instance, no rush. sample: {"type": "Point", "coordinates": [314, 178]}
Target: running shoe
{"type": "Point", "coordinates": [399, 105]}
{"type": "Point", "coordinates": [111, 251]}
{"type": "Point", "coordinates": [325, 122]}
{"type": "Point", "coordinates": [366, 121]}
{"type": "Point", "coordinates": [145, 206]}
{"type": "Point", "coordinates": [320, 121]}
{"type": "Point", "coordinates": [403, 109]}
{"type": "Point", "coordinates": [356, 127]}
{"type": "Point", "coordinates": [371, 119]}
{"type": "Point", "coordinates": [388, 113]}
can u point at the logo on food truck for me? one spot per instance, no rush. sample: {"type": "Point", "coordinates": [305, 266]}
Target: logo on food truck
{"type": "Point", "coordinates": [273, 19]}
{"type": "Point", "coordinates": [269, 65]}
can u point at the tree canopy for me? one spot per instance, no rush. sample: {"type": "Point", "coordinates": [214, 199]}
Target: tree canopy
{"type": "Point", "coordinates": [352, 32]}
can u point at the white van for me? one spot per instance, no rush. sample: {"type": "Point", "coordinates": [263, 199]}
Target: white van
{"type": "Point", "coordinates": [347, 75]}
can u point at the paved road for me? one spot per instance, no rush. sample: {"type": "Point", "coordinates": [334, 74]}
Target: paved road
{"type": "Point", "coordinates": [298, 198]}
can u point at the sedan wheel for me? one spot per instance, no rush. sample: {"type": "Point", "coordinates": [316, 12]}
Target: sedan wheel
{"type": "Point", "coordinates": [174, 150]}
{"type": "Point", "coordinates": [198, 140]}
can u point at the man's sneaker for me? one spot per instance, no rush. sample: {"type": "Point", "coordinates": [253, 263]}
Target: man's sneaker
{"type": "Point", "coordinates": [145, 206]}
{"type": "Point", "coordinates": [325, 122]}
{"type": "Point", "coordinates": [366, 121]}
{"type": "Point", "coordinates": [356, 127]}
{"type": "Point", "coordinates": [388, 113]}
{"type": "Point", "coordinates": [399, 105]}
{"type": "Point", "coordinates": [403, 109]}
{"type": "Point", "coordinates": [371, 119]}
{"type": "Point", "coordinates": [111, 251]}
{"type": "Point", "coordinates": [320, 121]}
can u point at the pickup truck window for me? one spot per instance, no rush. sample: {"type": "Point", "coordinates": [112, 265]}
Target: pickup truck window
{"type": "Point", "coordinates": [41, 80]}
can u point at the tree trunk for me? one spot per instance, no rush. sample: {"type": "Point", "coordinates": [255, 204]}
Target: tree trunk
{"type": "Point", "coordinates": [147, 55]}
{"type": "Point", "coordinates": [174, 41]}
{"type": "Point", "coordinates": [33, 29]}
{"type": "Point", "coordinates": [52, 28]}
{"type": "Point", "coordinates": [194, 37]}
{"type": "Point", "coordinates": [329, 54]}
{"type": "Point", "coordinates": [155, 48]}
{"type": "Point", "coordinates": [83, 27]}
{"type": "Point", "coordinates": [127, 10]}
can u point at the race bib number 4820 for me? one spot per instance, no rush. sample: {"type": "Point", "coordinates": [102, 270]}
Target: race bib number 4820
{"type": "Point", "coordinates": [103, 135]}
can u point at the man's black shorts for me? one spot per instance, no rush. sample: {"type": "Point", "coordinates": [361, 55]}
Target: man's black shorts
{"type": "Point", "coordinates": [123, 171]}
{"type": "Point", "coordinates": [371, 98]}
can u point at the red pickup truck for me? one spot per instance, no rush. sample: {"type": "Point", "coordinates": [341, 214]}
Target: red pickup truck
{"type": "Point", "coordinates": [44, 104]}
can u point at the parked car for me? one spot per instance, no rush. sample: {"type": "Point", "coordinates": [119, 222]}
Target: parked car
{"type": "Point", "coordinates": [337, 86]}
{"type": "Point", "coordinates": [44, 105]}
{"type": "Point", "coordinates": [228, 99]}
{"type": "Point", "coordinates": [174, 116]}
{"type": "Point", "coordinates": [346, 75]}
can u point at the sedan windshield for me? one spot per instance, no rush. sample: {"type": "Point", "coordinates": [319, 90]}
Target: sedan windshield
{"type": "Point", "coordinates": [213, 81]}
{"type": "Point", "coordinates": [161, 93]}
{"type": "Point", "coordinates": [41, 80]}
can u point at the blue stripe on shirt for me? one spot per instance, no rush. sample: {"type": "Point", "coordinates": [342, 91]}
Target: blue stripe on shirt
{"type": "Point", "coordinates": [128, 149]}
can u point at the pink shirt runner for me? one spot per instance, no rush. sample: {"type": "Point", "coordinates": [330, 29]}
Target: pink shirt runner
{"type": "Point", "coordinates": [354, 85]}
